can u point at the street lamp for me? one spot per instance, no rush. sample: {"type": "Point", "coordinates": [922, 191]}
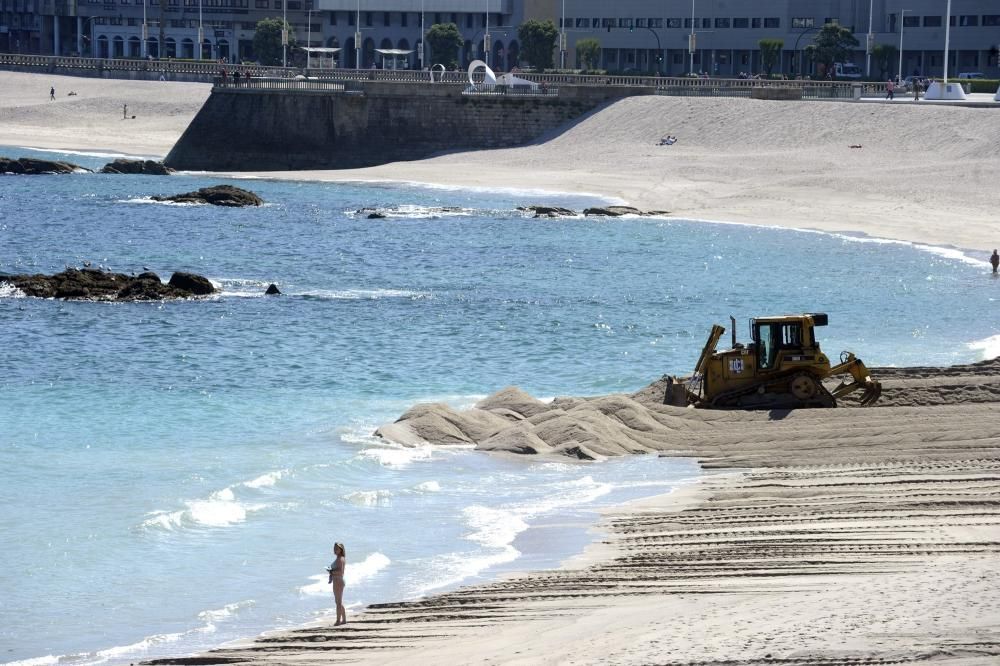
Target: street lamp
{"type": "Point", "coordinates": [201, 33]}
{"type": "Point", "coordinates": [284, 33]}
{"type": "Point", "coordinates": [870, 40]}
{"type": "Point", "coordinates": [145, 32]}
{"type": "Point", "coordinates": [309, 32]}
{"type": "Point", "coordinates": [357, 38]}
{"type": "Point", "coordinates": [691, 44]}
{"type": "Point", "coordinates": [562, 37]}
{"type": "Point", "coordinates": [486, 37]}
{"type": "Point", "coordinates": [902, 24]}
{"type": "Point", "coordinates": [423, 35]}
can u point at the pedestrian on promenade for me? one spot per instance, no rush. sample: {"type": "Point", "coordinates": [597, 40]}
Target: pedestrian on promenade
{"type": "Point", "coordinates": [52, 94]}
{"type": "Point", "coordinates": [890, 89]}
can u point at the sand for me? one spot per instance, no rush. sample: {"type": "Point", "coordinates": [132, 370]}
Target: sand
{"type": "Point", "coordinates": [820, 537]}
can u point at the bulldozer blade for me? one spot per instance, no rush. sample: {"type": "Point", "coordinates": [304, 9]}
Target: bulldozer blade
{"type": "Point", "coordinates": [873, 391]}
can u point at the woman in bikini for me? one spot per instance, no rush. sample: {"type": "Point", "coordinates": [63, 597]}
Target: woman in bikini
{"type": "Point", "coordinates": [336, 570]}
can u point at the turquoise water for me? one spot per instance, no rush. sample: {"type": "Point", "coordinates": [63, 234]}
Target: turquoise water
{"type": "Point", "coordinates": [175, 473]}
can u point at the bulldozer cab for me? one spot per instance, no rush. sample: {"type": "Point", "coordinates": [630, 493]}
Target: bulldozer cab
{"type": "Point", "coordinates": [774, 336]}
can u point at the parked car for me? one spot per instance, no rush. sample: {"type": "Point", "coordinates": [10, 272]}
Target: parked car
{"type": "Point", "coordinates": [972, 75]}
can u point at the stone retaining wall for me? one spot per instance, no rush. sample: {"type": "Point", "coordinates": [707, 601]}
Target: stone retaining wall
{"type": "Point", "coordinates": [259, 130]}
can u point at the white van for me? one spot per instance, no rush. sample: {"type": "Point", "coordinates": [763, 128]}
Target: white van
{"type": "Point", "coordinates": [972, 75]}
{"type": "Point", "coordinates": [846, 70]}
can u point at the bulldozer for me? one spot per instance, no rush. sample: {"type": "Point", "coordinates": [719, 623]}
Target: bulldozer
{"type": "Point", "coordinates": [782, 367]}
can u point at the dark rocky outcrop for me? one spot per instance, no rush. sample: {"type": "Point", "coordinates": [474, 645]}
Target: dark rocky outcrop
{"type": "Point", "coordinates": [195, 284]}
{"type": "Point", "coordinates": [31, 166]}
{"type": "Point", "coordinates": [138, 167]}
{"type": "Point", "coordinates": [612, 211]}
{"type": "Point", "coordinates": [549, 211]}
{"type": "Point", "coordinates": [217, 195]}
{"type": "Point", "coordinates": [91, 284]}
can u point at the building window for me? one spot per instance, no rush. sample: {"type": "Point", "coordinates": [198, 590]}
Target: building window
{"type": "Point", "coordinates": [402, 18]}
{"type": "Point", "coordinates": [772, 22]}
{"type": "Point", "coordinates": [687, 23]}
{"type": "Point", "coordinates": [261, 4]}
{"type": "Point", "coordinates": [755, 23]}
{"type": "Point", "coordinates": [369, 19]}
{"type": "Point", "coordinates": [277, 3]}
{"type": "Point", "coordinates": [932, 22]}
{"type": "Point", "coordinates": [673, 23]}
{"type": "Point", "coordinates": [640, 23]}
{"type": "Point", "coordinates": [721, 23]}
{"type": "Point", "coordinates": [831, 19]}
{"type": "Point", "coordinates": [678, 58]}
{"type": "Point", "coordinates": [583, 23]}
{"type": "Point", "coordinates": [991, 19]}
{"type": "Point", "coordinates": [333, 18]}
{"type": "Point", "coordinates": [655, 23]}
{"type": "Point", "coordinates": [968, 20]}
{"type": "Point", "coordinates": [803, 22]}
{"type": "Point", "coordinates": [386, 19]}
{"type": "Point", "coordinates": [706, 24]}
{"type": "Point", "coordinates": [911, 21]}
{"type": "Point", "coordinates": [624, 23]}
{"type": "Point", "coordinates": [741, 23]}
{"type": "Point", "coordinates": [294, 4]}
{"type": "Point", "coordinates": [608, 23]}
{"type": "Point", "coordinates": [350, 18]}
{"type": "Point", "coordinates": [437, 18]}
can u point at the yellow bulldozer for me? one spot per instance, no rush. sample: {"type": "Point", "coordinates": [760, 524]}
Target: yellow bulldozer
{"type": "Point", "coordinates": [782, 367]}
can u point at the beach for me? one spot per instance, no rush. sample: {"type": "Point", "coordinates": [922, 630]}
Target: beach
{"type": "Point", "coordinates": [817, 537]}
{"type": "Point", "coordinates": [923, 175]}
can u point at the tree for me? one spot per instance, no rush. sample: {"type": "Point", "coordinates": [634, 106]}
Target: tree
{"type": "Point", "coordinates": [770, 51]}
{"type": "Point", "coordinates": [588, 51]}
{"type": "Point", "coordinates": [267, 41]}
{"type": "Point", "coordinates": [833, 43]}
{"type": "Point", "coordinates": [445, 40]}
{"type": "Point", "coordinates": [538, 41]}
{"type": "Point", "coordinates": [885, 56]}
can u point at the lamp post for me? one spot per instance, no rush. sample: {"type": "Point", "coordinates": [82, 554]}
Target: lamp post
{"type": "Point", "coordinates": [902, 24]}
{"type": "Point", "coordinates": [309, 32]}
{"type": "Point", "coordinates": [201, 33]}
{"type": "Point", "coordinates": [870, 40]}
{"type": "Point", "coordinates": [357, 38]}
{"type": "Point", "coordinates": [423, 35]}
{"type": "Point", "coordinates": [562, 37]}
{"type": "Point", "coordinates": [947, 40]}
{"type": "Point", "coordinates": [691, 43]}
{"type": "Point", "coordinates": [284, 33]}
{"type": "Point", "coordinates": [145, 32]}
{"type": "Point", "coordinates": [486, 37]}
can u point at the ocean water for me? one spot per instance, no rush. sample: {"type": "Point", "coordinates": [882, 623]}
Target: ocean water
{"type": "Point", "coordinates": [176, 473]}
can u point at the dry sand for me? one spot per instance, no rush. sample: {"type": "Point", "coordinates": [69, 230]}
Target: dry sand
{"type": "Point", "coordinates": [827, 537]}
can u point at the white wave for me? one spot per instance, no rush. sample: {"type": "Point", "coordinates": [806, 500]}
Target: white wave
{"type": "Point", "coordinates": [212, 617]}
{"type": "Point", "coordinates": [428, 487]}
{"type": "Point", "coordinates": [354, 574]}
{"type": "Point", "coordinates": [362, 294]}
{"type": "Point", "coordinates": [369, 497]}
{"type": "Point", "coordinates": [221, 509]}
{"type": "Point", "coordinates": [265, 480]}
{"type": "Point", "coordinates": [493, 528]}
{"type": "Point", "coordinates": [7, 290]}
{"type": "Point", "coordinates": [389, 456]}
{"type": "Point", "coordinates": [988, 348]}
{"type": "Point", "coordinates": [454, 568]}
{"type": "Point", "coordinates": [34, 661]}
{"type": "Point", "coordinates": [88, 153]}
{"type": "Point", "coordinates": [953, 253]}
{"type": "Point", "coordinates": [148, 200]}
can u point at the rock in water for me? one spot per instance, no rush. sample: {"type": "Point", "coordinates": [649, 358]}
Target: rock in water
{"type": "Point", "coordinates": [196, 284]}
{"type": "Point", "coordinates": [142, 167]}
{"type": "Point", "coordinates": [612, 211]}
{"type": "Point", "coordinates": [217, 195]}
{"type": "Point", "coordinates": [30, 166]}
{"type": "Point", "coordinates": [272, 290]}
{"type": "Point", "coordinates": [90, 284]}
{"type": "Point", "coordinates": [550, 211]}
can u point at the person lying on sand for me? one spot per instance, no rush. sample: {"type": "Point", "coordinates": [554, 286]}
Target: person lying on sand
{"type": "Point", "coordinates": [668, 140]}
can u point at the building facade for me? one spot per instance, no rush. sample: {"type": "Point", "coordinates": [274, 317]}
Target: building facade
{"type": "Point", "coordinates": [672, 37]}
{"type": "Point", "coordinates": [721, 37]}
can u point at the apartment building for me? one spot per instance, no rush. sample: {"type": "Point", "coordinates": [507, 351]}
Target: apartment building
{"type": "Point", "coordinates": [673, 37]}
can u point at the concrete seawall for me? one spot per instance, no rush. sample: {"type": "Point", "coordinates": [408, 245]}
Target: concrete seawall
{"type": "Point", "coordinates": [278, 130]}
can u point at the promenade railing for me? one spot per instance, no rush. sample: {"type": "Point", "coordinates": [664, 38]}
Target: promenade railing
{"type": "Point", "coordinates": [501, 90]}
{"type": "Point", "coordinates": [246, 82]}
{"type": "Point", "coordinates": [208, 70]}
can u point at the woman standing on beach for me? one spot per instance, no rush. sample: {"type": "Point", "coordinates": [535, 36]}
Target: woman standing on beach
{"type": "Point", "coordinates": [336, 570]}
